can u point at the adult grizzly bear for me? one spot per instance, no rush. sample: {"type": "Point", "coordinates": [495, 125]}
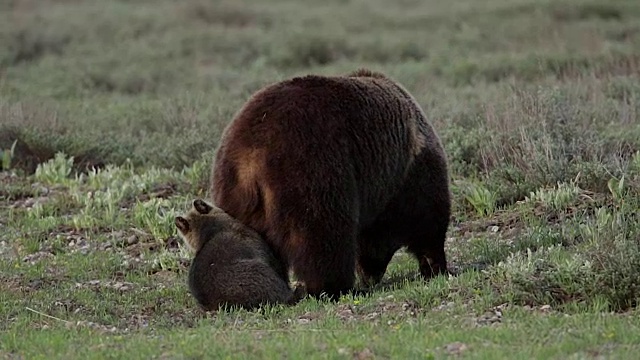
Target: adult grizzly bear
{"type": "Point", "coordinates": [334, 171]}
{"type": "Point", "coordinates": [232, 265]}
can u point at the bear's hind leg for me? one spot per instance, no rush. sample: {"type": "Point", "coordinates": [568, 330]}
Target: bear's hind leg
{"type": "Point", "coordinates": [428, 248]}
{"type": "Point", "coordinates": [375, 250]}
{"type": "Point", "coordinates": [325, 259]}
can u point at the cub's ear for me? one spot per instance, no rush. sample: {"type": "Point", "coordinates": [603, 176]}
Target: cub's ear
{"type": "Point", "coordinates": [202, 207]}
{"type": "Point", "coordinates": [182, 224]}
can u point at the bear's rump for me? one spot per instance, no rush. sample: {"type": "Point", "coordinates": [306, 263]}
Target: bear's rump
{"type": "Point", "coordinates": [308, 144]}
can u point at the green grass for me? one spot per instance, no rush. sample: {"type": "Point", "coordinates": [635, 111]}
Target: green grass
{"type": "Point", "coordinates": [537, 104]}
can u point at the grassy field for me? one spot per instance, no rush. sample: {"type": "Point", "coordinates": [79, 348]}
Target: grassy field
{"type": "Point", "coordinates": [536, 101]}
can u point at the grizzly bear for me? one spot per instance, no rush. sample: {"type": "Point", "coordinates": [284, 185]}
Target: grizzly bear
{"type": "Point", "coordinates": [232, 266]}
{"type": "Point", "coordinates": [337, 173]}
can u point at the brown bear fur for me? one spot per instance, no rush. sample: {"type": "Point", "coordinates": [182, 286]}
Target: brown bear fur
{"type": "Point", "coordinates": [232, 265]}
{"type": "Point", "coordinates": [336, 174]}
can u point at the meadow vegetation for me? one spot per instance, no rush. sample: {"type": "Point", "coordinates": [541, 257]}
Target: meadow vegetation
{"type": "Point", "coordinates": [110, 113]}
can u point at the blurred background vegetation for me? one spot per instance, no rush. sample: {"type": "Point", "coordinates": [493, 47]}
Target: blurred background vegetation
{"type": "Point", "coordinates": [524, 93]}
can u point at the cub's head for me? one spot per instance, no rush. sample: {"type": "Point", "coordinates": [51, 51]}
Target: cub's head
{"type": "Point", "coordinates": [199, 223]}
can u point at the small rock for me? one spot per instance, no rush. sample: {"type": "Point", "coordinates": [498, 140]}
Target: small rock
{"type": "Point", "coordinates": [371, 316]}
{"type": "Point", "coordinates": [29, 202]}
{"type": "Point", "coordinates": [122, 286]}
{"type": "Point", "coordinates": [410, 307]}
{"type": "Point", "coordinates": [345, 314]}
{"type": "Point", "coordinates": [132, 240]}
{"type": "Point", "coordinates": [502, 306]}
{"type": "Point", "coordinates": [490, 318]}
{"type": "Point", "coordinates": [308, 315]}
{"type": "Point", "coordinates": [446, 306]}
{"type": "Point", "coordinates": [456, 348]}
{"type": "Point", "coordinates": [364, 354]}
{"type": "Point", "coordinates": [33, 258]}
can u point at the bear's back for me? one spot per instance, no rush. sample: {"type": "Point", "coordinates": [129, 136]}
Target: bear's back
{"type": "Point", "coordinates": [316, 109]}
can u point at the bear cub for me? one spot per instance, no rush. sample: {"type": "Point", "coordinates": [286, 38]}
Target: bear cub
{"type": "Point", "coordinates": [232, 266]}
